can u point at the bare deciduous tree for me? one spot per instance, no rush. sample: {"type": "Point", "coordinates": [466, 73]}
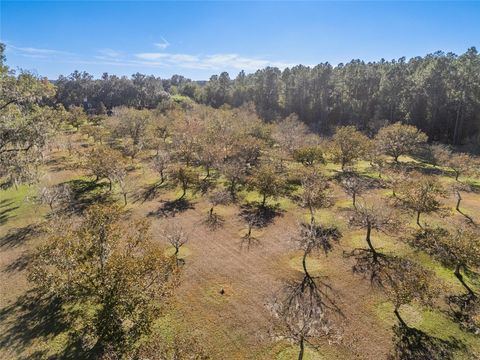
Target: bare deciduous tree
{"type": "Point", "coordinates": [219, 197]}
{"type": "Point", "coordinates": [175, 236]}
{"type": "Point", "coordinates": [305, 311]}
{"type": "Point", "coordinates": [353, 185]}
{"type": "Point", "coordinates": [316, 193]}
{"type": "Point", "coordinates": [55, 195]}
{"type": "Point", "coordinates": [160, 164]}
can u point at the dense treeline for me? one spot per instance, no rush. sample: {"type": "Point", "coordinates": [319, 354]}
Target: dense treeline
{"type": "Point", "coordinates": [438, 93]}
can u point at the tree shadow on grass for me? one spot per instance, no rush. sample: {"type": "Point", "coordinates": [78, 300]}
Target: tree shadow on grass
{"type": "Point", "coordinates": [258, 215]}
{"type": "Point", "coordinates": [19, 264]}
{"type": "Point", "coordinates": [6, 208]}
{"type": "Point", "coordinates": [18, 236]}
{"type": "Point", "coordinates": [150, 192]}
{"type": "Point", "coordinates": [474, 187]}
{"type": "Point", "coordinates": [171, 208]}
{"type": "Point", "coordinates": [214, 221]}
{"type": "Point", "coordinates": [86, 193]}
{"type": "Point", "coordinates": [422, 166]}
{"type": "Point", "coordinates": [248, 242]}
{"type": "Point", "coordinates": [36, 319]}
{"type": "Point", "coordinates": [414, 344]}
{"type": "Point", "coordinates": [465, 310]}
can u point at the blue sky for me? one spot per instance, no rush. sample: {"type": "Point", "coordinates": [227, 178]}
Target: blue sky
{"type": "Point", "coordinates": [197, 39]}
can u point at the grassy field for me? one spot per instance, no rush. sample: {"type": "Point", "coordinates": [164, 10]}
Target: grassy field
{"type": "Point", "coordinates": [237, 324]}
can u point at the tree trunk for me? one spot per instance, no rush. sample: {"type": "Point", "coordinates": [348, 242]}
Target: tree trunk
{"type": "Point", "coordinates": [400, 320]}
{"type": "Point", "coordinates": [459, 276]}
{"type": "Point", "coordinates": [459, 199]}
{"type": "Point", "coordinates": [125, 199]}
{"type": "Point", "coordinates": [457, 123]}
{"type": "Point", "coordinates": [264, 200]}
{"type": "Point", "coordinates": [304, 263]}
{"type": "Point", "coordinates": [184, 189]}
{"type": "Point", "coordinates": [354, 198]}
{"type": "Point", "coordinates": [369, 242]}
{"type": "Point", "coordinates": [232, 190]}
{"type": "Point", "coordinates": [418, 218]}
{"type": "Point", "coordinates": [302, 348]}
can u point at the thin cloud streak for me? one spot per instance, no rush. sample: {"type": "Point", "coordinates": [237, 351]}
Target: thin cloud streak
{"type": "Point", "coordinates": [165, 60]}
{"type": "Point", "coordinates": [208, 62]}
{"type": "Point", "coordinates": [36, 52]}
{"type": "Point", "coordinates": [163, 44]}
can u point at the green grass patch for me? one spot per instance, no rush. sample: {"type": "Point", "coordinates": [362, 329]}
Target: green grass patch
{"type": "Point", "coordinates": [314, 264]}
{"type": "Point", "coordinates": [432, 322]}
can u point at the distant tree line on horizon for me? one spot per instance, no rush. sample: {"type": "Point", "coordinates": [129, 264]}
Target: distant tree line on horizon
{"type": "Point", "coordinates": [438, 93]}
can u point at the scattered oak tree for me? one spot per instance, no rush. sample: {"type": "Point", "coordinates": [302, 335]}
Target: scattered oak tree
{"type": "Point", "coordinates": [235, 174]}
{"type": "Point", "coordinates": [460, 163]}
{"type": "Point", "coordinates": [131, 126]}
{"type": "Point", "coordinates": [125, 183]}
{"type": "Point", "coordinates": [103, 162]}
{"type": "Point", "coordinates": [109, 274]}
{"type": "Point", "coordinates": [290, 133]}
{"type": "Point", "coordinates": [348, 146]}
{"type": "Point", "coordinates": [459, 250]}
{"type": "Point", "coordinates": [25, 126]}
{"type": "Point", "coordinates": [183, 176]}
{"type": "Point", "coordinates": [267, 183]}
{"type": "Point", "coordinates": [398, 139]}
{"type": "Point", "coordinates": [309, 155]}
{"type": "Point", "coordinates": [409, 282]}
{"type": "Point", "coordinates": [420, 194]}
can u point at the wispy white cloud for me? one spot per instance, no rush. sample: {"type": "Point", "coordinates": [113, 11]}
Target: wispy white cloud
{"type": "Point", "coordinates": [207, 62]}
{"type": "Point", "coordinates": [166, 60]}
{"type": "Point", "coordinates": [163, 44]}
{"type": "Point", "coordinates": [36, 52]}
{"type": "Point", "coordinates": [109, 53]}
